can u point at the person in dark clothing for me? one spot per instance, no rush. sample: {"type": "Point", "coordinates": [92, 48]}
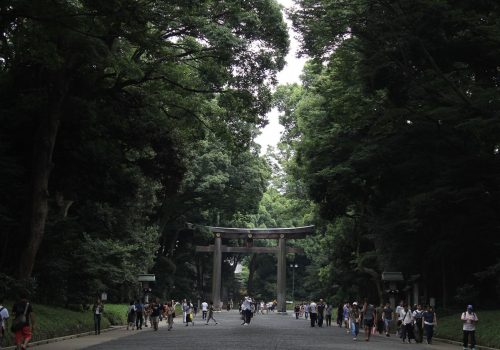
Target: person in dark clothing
{"type": "Point", "coordinates": [321, 312]}
{"type": "Point", "coordinates": [340, 313]}
{"type": "Point", "coordinates": [97, 310]}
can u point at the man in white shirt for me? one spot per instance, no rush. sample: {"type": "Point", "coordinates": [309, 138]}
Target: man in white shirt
{"type": "Point", "coordinates": [399, 308]}
{"type": "Point", "coordinates": [204, 309]}
{"type": "Point", "coordinates": [313, 313]}
{"type": "Point", "coordinates": [470, 319]}
{"type": "Point", "coordinates": [246, 310]}
{"type": "Point", "coordinates": [4, 315]}
{"type": "Point", "coordinates": [407, 324]}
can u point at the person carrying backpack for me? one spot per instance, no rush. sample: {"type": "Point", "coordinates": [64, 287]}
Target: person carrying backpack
{"type": "Point", "coordinates": [24, 321]}
{"type": "Point", "coordinates": [470, 319]}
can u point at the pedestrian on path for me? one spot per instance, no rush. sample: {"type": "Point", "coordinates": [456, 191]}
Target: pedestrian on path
{"type": "Point", "coordinates": [340, 315]}
{"type": "Point", "coordinates": [25, 318]}
{"type": "Point", "coordinates": [321, 312]}
{"type": "Point", "coordinates": [345, 316]}
{"type": "Point", "coordinates": [328, 314]}
{"type": "Point", "coordinates": [297, 311]}
{"type": "Point", "coordinates": [430, 320]}
{"type": "Point", "coordinates": [211, 313]}
{"type": "Point", "coordinates": [470, 319]}
{"type": "Point", "coordinates": [204, 309]}
{"type": "Point", "coordinates": [387, 317]}
{"type": "Point", "coordinates": [419, 324]}
{"type": "Point", "coordinates": [139, 314]}
{"type": "Point", "coordinates": [246, 310]}
{"type": "Point", "coordinates": [399, 309]}
{"type": "Point", "coordinates": [97, 310]}
{"type": "Point", "coordinates": [4, 316]}
{"type": "Point", "coordinates": [155, 314]}
{"type": "Point", "coordinates": [170, 314]}
{"type": "Point", "coordinates": [354, 318]}
{"type": "Point", "coordinates": [313, 313]}
{"type": "Point", "coordinates": [407, 324]}
{"type": "Point", "coordinates": [306, 310]}
{"type": "Point", "coordinates": [131, 316]}
{"type": "Point", "coordinates": [368, 315]}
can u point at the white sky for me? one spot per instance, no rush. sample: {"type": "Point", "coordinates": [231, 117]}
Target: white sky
{"type": "Point", "coordinates": [290, 74]}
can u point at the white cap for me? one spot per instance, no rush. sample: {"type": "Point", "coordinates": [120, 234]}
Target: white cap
{"type": "Point", "coordinates": [355, 303]}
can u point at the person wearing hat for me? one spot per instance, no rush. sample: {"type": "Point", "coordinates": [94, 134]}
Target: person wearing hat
{"type": "Point", "coordinates": [355, 317]}
{"type": "Point", "coordinates": [470, 319]}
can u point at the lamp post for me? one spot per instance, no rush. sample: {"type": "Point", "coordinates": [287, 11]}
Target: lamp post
{"type": "Point", "coordinates": [293, 266]}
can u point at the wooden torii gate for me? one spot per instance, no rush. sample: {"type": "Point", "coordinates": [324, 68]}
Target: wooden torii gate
{"type": "Point", "coordinates": [280, 234]}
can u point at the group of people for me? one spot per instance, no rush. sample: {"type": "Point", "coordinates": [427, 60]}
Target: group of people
{"type": "Point", "coordinates": [139, 313]}
{"type": "Point", "coordinates": [411, 323]}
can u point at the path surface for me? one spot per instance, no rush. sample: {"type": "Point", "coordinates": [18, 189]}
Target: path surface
{"type": "Point", "coordinates": [265, 332]}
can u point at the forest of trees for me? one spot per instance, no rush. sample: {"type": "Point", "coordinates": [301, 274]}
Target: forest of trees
{"type": "Point", "coordinates": [125, 121]}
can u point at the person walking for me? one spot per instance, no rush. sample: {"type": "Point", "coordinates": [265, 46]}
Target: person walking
{"type": "Point", "coordinates": [139, 314]}
{"type": "Point", "coordinates": [170, 312]}
{"type": "Point", "coordinates": [387, 317]}
{"type": "Point", "coordinates": [430, 320]}
{"type": "Point", "coordinates": [368, 315]}
{"type": "Point", "coordinates": [204, 309]}
{"type": "Point", "coordinates": [24, 321]}
{"type": "Point", "coordinates": [155, 314]}
{"type": "Point", "coordinates": [407, 324]}
{"type": "Point", "coordinates": [4, 316]}
{"type": "Point", "coordinates": [354, 318]}
{"type": "Point", "coordinates": [313, 313]}
{"type": "Point", "coordinates": [131, 316]}
{"type": "Point", "coordinates": [186, 309]}
{"type": "Point", "coordinates": [321, 312]}
{"type": "Point", "coordinates": [340, 315]}
{"type": "Point", "coordinates": [246, 310]}
{"type": "Point", "coordinates": [470, 319]}
{"type": "Point", "coordinates": [328, 314]}
{"type": "Point", "coordinates": [97, 310]}
{"type": "Point", "coordinates": [399, 310]}
{"type": "Point", "coordinates": [306, 311]}
{"type": "Point", "coordinates": [419, 324]}
{"type": "Point", "coordinates": [345, 315]}
{"type": "Point", "coordinates": [296, 309]}
{"type": "Point", "coordinates": [211, 310]}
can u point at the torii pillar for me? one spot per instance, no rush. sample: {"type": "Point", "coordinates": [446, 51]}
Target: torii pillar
{"type": "Point", "coordinates": [281, 278]}
{"type": "Point", "coordinates": [217, 269]}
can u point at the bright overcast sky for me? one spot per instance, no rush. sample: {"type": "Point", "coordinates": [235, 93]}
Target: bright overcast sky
{"type": "Point", "coordinates": [290, 74]}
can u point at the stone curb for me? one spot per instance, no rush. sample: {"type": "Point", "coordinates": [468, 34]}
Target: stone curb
{"type": "Point", "coordinates": [66, 337]}
{"type": "Point", "coordinates": [454, 342]}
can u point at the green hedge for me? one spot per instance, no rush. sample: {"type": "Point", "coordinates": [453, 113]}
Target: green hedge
{"type": "Point", "coordinates": [487, 334]}
{"type": "Point", "coordinates": [53, 322]}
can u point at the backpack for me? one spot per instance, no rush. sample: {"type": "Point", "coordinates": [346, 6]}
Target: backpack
{"type": "Point", "coordinates": [139, 307]}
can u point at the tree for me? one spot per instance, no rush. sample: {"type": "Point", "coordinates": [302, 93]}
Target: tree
{"type": "Point", "coordinates": [102, 101]}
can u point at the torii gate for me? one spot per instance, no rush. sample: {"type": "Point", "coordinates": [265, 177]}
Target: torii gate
{"type": "Point", "coordinates": [281, 234]}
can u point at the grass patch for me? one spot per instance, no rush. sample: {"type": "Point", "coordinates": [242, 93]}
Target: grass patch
{"type": "Point", "coordinates": [450, 327]}
{"type": "Point", "coordinates": [53, 322]}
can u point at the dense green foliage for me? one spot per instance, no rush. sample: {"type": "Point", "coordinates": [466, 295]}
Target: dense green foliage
{"type": "Point", "coordinates": [121, 121]}
{"type": "Point", "coordinates": [395, 133]}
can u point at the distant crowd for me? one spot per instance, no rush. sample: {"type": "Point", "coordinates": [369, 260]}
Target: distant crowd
{"type": "Point", "coordinates": [408, 323]}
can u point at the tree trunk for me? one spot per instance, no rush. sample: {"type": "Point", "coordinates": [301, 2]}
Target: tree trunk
{"type": "Point", "coordinates": [251, 272]}
{"type": "Point", "coordinates": [43, 149]}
